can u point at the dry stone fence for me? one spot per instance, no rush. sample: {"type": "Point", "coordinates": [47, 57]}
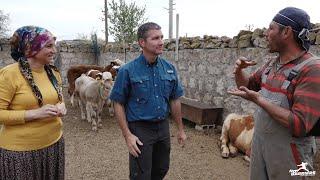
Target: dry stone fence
{"type": "Point", "coordinates": [205, 64]}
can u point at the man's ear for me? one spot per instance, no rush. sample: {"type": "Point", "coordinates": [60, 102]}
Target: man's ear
{"type": "Point", "coordinates": [287, 32]}
{"type": "Point", "coordinates": [141, 42]}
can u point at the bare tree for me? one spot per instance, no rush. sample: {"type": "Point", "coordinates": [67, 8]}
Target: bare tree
{"type": "Point", "coordinates": [249, 27]}
{"type": "Point", "coordinates": [4, 24]}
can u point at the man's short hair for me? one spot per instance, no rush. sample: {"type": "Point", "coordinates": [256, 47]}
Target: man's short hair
{"type": "Point", "coordinates": [144, 28]}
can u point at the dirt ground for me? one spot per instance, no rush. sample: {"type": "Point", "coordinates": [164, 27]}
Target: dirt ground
{"type": "Point", "coordinates": [103, 155]}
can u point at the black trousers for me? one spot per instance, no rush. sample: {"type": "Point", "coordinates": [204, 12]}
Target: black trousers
{"type": "Point", "coordinates": [153, 162]}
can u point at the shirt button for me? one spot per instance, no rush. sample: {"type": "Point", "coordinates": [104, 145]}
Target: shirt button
{"type": "Point", "coordinates": [155, 85]}
{"type": "Point", "coordinates": [159, 117]}
{"type": "Point", "coordinates": [137, 99]}
{"type": "Point", "coordinates": [154, 74]}
{"type": "Point", "coordinates": [157, 96]}
{"type": "Point", "coordinates": [158, 107]}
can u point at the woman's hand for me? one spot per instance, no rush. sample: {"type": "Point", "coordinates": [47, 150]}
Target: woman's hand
{"type": "Point", "coordinates": [45, 111]}
{"type": "Point", "coordinates": [62, 110]}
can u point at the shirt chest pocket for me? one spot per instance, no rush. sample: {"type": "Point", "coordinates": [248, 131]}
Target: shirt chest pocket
{"type": "Point", "coordinates": [140, 88]}
{"type": "Point", "coordinates": [168, 82]}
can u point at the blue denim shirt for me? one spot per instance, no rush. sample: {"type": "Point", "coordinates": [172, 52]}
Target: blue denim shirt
{"type": "Point", "coordinates": [145, 90]}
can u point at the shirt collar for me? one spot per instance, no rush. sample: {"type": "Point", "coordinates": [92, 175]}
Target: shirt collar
{"type": "Point", "coordinates": [145, 62]}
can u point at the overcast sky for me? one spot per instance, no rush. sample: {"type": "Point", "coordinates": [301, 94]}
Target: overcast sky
{"type": "Point", "coordinates": [69, 18]}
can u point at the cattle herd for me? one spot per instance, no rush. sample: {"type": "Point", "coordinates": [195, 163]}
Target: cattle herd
{"type": "Point", "coordinates": [91, 85]}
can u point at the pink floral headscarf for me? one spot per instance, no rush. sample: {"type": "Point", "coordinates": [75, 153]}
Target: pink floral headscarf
{"type": "Point", "coordinates": [27, 41]}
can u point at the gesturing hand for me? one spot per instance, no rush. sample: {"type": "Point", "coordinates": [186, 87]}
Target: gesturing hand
{"type": "Point", "coordinates": [132, 144]}
{"type": "Point", "coordinates": [242, 63]}
{"type": "Point", "coordinates": [245, 93]}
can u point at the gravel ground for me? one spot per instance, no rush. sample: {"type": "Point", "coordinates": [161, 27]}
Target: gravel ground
{"type": "Point", "coordinates": [103, 155]}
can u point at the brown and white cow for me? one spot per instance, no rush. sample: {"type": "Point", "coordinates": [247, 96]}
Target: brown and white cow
{"type": "Point", "coordinates": [236, 135]}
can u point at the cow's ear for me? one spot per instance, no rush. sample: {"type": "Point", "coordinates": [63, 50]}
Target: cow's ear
{"type": "Point", "coordinates": [99, 76]}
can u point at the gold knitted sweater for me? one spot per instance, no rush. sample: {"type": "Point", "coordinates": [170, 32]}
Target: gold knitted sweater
{"type": "Point", "coordinates": [16, 97]}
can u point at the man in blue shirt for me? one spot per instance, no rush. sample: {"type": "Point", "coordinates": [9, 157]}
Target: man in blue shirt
{"type": "Point", "coordinates": [145, 91]}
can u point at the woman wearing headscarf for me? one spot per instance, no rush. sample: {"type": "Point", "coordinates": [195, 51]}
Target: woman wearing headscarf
{"type": "Point", "coordinates": [31, 104]}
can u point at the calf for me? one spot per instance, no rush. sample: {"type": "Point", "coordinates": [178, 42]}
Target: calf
{"type": "Point", "coordinates": [75, 71]}
{"type": "Point", "coordinates": [237, 132]}
{"type": "Point", "coordinates": [94, 74]}
{"type": "Point", "coordinates": [93, 94]}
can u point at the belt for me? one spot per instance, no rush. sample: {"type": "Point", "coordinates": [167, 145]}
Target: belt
{"type": "Point", "coordinates": [155, 121]}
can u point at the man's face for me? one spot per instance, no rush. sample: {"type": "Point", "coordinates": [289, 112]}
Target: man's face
{"type": "Point", "coordinates": [153, 44]}
{"type": "Point", "coordinates": [273, 37]}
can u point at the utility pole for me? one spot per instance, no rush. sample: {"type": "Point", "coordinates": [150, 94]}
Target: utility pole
{"type": "Point", "coordinates": [170, 18]}
{"type": "Point", "coordinates": [177, 38]}
{"type": "Point", "coordinates": [106, 20]}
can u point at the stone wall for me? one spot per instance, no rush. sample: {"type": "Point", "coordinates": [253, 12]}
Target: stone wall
{"type": "Point", "coordinates": [205, 64]}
